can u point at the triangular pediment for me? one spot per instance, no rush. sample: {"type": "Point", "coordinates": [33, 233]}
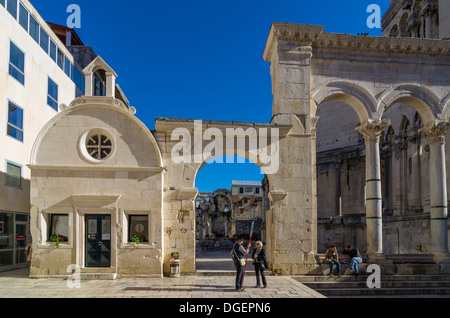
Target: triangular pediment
{"type": "Point", "coordinates": [98, 64]}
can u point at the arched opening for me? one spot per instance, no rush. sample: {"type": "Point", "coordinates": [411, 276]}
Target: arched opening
{"type": "Point", "coordinates": [340, 168]}
{"type": "Point", "coordinates": [386, 170]}
{"type": "Point", "coordinates": [394, 31]}
{"type": "Point", "coordinates": [403, 26]}
{"type": "Point", "coordinates": [406, 180]}
{"type": "Point", "coordinates": [99, 83]}
{"type": "Point", "coordinates": [232, 197]}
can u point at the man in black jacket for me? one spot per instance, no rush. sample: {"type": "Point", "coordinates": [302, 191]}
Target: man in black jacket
{"type": "Point", "coordinates": [237, 254]}
{"type": "Point", "coordinates": [355, 257]}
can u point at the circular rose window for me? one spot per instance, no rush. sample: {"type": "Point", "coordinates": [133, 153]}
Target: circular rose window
{"type": "Point", "coordinates": [99, 146]}
{"type": "Point", "coordinates": [96, 145]}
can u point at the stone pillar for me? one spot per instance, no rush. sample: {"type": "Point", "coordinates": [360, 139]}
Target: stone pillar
{"type": "Point", "coordinates": [337, 187]}
{"type": "Point", "coordinates": [293, 188]}
{"type": "Point", "coordinates": [372, 132]}
{"type": "Point", "coordinates": [438, 191]}
{"type": "Point", "coordinates": [415, 198]}
{"type": "Point", "coordinates": [110, 84]}
{"type": "Point", "coordinates": [428, 27]}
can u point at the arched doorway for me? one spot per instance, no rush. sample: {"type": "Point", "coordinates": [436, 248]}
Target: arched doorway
{"type": "Point", "coordinates": [231, 197]}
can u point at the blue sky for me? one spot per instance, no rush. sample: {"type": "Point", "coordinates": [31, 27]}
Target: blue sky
{"type": "Point", "coordinates": [200, 59]}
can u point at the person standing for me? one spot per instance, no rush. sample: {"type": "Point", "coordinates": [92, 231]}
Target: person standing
{"type": "Point", "coordinates": [355, 257]}
{"type": "Point", "coordinates": [238, 254]}
{"type": "Point", "coordinates": [332, 258]}
{"type": "Point", "coordinates": [260, 263]}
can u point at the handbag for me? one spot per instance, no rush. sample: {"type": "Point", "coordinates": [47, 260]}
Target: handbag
{"type": "Point", "coordinates": [241, 260]}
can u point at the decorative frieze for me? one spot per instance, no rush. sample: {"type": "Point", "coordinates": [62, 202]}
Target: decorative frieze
{"type": "Point", "coordinates": [382, 44]}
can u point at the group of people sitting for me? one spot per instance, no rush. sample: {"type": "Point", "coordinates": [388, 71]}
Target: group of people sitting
{"type": "Point", "coordinates": [332, 258]}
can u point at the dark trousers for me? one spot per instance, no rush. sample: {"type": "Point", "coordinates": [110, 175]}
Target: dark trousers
{"type": "Point", "coordinates": [258, 270]}
{"type": "Point", "coordinates": [239, 275]}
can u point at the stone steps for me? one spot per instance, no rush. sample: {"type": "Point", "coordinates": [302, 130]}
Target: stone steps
{"type": "Point", "coordinates": [384, 292]}
{"type": "Point", "coordinates": [391, 286]}
{"type": "Point", "coordinates": [363, 277]}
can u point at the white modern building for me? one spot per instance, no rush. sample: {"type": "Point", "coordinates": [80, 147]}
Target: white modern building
{"type": "Point", "coordinates": [246, 188]}
{"type": "Point", "coordinates": [37, 74]}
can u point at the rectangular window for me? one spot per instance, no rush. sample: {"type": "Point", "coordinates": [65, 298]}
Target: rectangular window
{"type": "Point", "coordinates": [67, 66]}
{"type": "Point", "coordinates": [13, 175]}
{"type": "Point", "coordinates": [257, 190]}
{"type": "Point", "coordinates": [138, 227]}
{"type": "Point", "coordinates": [59, 225]}
{"type": "Point", "coordinates": [11, 6]}
{"type": "Point", "coordinates": [15, 121]}
{"type": "Point", "coordinates": [16, 63]}
{"type": "Point", "coordinates": [43, 42]}
{"type": "Point", "coordinates": [52, 52]}
{"type": "Point", "coordinates": [34, 29]}
{"type": "Point", "coordinates": [241, 190]}
{"type": "Point", "coordinates": [52, 94]}
{"type": "Point", "coordinates": [23, 16]}
{"type": "Point", "coordinates": [78, 79]}
{"type": "Point", "coordinates": [60, 60]}
{"type": "Point", "coordinates": [99, 86]}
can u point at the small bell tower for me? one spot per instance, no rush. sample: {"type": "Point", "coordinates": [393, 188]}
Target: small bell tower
{"type": "Point", "coordinates": [100, 79]}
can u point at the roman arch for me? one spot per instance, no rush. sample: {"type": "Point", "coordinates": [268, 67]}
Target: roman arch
{"type": "Point", "coordinates": [290, 221]}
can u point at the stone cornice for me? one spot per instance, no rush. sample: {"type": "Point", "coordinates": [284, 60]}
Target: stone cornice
{"type": "Point", "coordinates": [313, 35]}
{"type": "Point", "coordinates": [99, 100]}
{"type": "Point", "coordinates": [168, 125]}
{"type": "Point", "coordinates": [97, 168]}
{"type": "Point", "coordinates": [382, 44]}
{"type": "Point", "coordinates": [300, 33]}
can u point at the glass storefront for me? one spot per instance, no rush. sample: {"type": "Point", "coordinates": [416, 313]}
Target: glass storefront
{"type": "Point", "coordinates": [14, 237]}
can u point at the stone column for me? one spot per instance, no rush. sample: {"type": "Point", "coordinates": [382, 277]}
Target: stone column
{"type": "Point", "coordinates": [428, 27]}
{"type": "Point", "coordinates": [371, 132]}
{"type": "Point", "coordinates": [438, 191]}
{"type": "Point", "coordinates": [415, 199]}
{"type": "Point", "coordinates": [337, 187]}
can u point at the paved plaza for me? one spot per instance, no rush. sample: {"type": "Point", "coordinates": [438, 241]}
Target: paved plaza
{"type": "Point", "coordinates": [214, 279]}
{"type": "Point", "coordinates": [16, 284]}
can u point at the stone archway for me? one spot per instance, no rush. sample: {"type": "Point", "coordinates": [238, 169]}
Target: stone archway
{"type": "Point", "coordinates": [432, 112]}
{"type": "Point", "coordinates": [292, 227]}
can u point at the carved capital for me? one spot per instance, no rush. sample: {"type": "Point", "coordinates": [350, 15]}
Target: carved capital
{"type": "Point", "coordinates": [372, 129]}
{"type": "Point", "coordinates": [436, 132]}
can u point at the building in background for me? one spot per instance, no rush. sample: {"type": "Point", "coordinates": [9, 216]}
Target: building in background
{"type": "Point", "coordinates": [37, 74]}
{"type": "Point", "coordinates": [42, 69]}
{"type": "Point", "coordinates": [229, 213]}
{"type": "Point", "coordinates": [417, 19]}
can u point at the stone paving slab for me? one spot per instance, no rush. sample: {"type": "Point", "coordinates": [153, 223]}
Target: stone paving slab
{"type": "Point", "coordinates": [16, 284]}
